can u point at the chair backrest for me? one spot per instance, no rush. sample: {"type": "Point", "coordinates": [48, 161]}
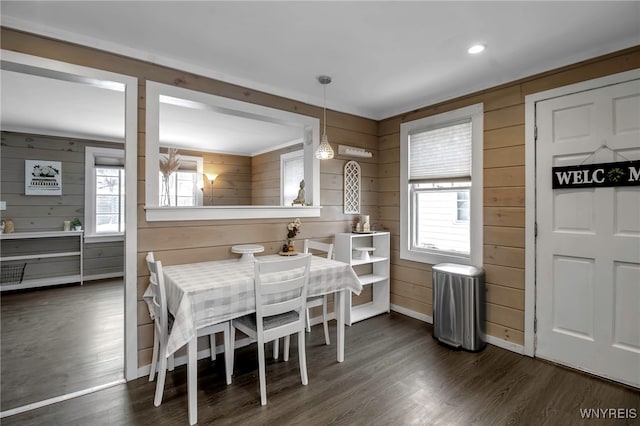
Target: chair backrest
{"type": "Point", "coordinates": [281, 288]}
{"type": "Point", "coordinates": [317, 245]}
{"type": "Point", "coordinates": [159, 296]}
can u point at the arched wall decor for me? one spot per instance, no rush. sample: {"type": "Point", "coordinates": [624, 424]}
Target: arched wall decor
{"type": "Point", "coordinates": [352, 187]}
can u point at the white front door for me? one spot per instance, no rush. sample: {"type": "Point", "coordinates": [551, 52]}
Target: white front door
{"type": "Point", "coordinates": [588, 244]}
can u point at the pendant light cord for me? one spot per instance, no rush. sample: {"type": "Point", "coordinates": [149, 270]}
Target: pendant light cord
{"type": "Point", "coordinates": [325, 109]}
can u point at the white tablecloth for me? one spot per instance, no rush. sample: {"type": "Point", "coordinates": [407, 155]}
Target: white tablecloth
{"type": "Point", "coordinates": [201, 294]}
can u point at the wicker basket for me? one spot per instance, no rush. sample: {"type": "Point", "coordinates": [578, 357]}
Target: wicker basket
{"type": "Point", "coordinates": [12, 274]}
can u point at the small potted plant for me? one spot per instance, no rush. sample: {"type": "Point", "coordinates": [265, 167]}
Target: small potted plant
{"type": "Point", "coordinates": [76, 225]}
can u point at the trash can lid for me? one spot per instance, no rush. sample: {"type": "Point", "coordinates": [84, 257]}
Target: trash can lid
{"type": "Point", "coordinates": [454, 268]}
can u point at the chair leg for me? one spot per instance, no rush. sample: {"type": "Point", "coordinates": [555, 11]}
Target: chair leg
{"type": "Point", "coordinates": [232, 339]}
{"type": "Point", "coordinates": [302, 355]}
{"type": "Point", "coordinates": [325, 322]}
{"type": "Point", "coordinates": [261, 368]}
{"type": "Point", "coordinates": [212, 346]}
{"type": "Point", "coordinates": [287, 339]}
{"type": "Point", "coordinates": [276, 348]}
{"type": "Point", "coordinates": [308, 321]}
{"type": "Point", "coordinates": [162, 373]}
{"type": "Point", "coordinates": [154, 360]}
{"type": "Point", "coordinates": [228, 352]}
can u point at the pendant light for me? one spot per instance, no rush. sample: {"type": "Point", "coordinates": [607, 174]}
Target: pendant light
{"type": "Point", "coordinates": [324, 151]}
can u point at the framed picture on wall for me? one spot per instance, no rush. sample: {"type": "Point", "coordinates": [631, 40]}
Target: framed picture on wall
{"type": "Point", "coordinates": [42, 177]}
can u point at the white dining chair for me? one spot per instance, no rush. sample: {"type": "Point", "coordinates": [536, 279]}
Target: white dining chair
{"type": "Point", "coordinates": [154, 312]}
{"type": "Point", "coordinates": [314, 301]}
{"type": "Point", "coordinates": [161, 329]}
{"type": "Point", "coordinates": [281, 297]}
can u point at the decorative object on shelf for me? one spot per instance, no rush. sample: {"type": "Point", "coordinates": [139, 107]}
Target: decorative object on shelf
{"type": "Point", "coordinates": [76, 225]}
{"type": "Point", "coordinates": [364, 253]}
{"type": "Point", "coordinates": [247, 251]}
{"type": "Point", "coordinates": [292, 230]}
{"type": "Point", "coordinates": [2, 224]}
{"type": "Point", "coordinates": [352, 175]}
{"type": "Point", "coordinates": [67, 225]}
{"type": "Point", "coordinates": [351, 151]}
{"type": "Point", "coordinates": [299, 201]}
{"type": "Point", "coordinates": [9, 227]}
{"type": "Point", "coordinates": [324, 151]}
{"type": "Point", "coordinates": [168, 165]}
{"type": "Point", "coordinates": [366, 227]}
{"type": "Point", "coordinates": [42, 177]}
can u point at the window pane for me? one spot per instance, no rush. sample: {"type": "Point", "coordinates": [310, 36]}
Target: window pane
{"type": "Point", "coordinates": [107, 223]}
{"type": "Point", "coordinates": [107, 204]}
{"type": "Point", "coordinates": [109, 200]}
{"type": "Point", "coordinates": [437, 224]}
{"type": "Point", "coordinates": [107, 185]}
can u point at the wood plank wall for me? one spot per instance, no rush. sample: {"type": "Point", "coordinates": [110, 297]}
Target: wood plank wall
{"type": "Point", "coordinates": [265, 176]}
{"type": "Point", "coordinates": [181, 242]}
{"type": "Point", "coordinates": [232, 187]}
{"type": "Point", "coordinates": [47, 213]}
{"type": "Point", "coordinates": [504, 191]}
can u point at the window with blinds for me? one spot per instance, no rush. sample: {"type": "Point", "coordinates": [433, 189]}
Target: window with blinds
{"type": "Point", "coordinates": [437, 159]}
{"type": "Point", "coordinates": [104, 194]}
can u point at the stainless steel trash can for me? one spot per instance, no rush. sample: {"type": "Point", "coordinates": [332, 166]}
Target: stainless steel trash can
{"type": "Point", "coordinates": [459, 306]}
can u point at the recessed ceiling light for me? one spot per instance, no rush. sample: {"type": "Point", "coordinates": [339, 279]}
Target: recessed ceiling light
{"type": "Point", "coordinates": [476, 48]}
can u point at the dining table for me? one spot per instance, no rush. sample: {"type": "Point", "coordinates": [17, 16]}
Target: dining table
{"type": "Point", "coordinates": [206, 293]}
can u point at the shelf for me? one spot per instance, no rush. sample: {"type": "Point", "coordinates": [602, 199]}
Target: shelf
{"type": "Point", "coordinates": [371, 278]}
{"type": "Point", "coordinates": [44, 250]}
{"type": "Point", "coordinates": [377, 277]}
{"type": "Point", "coordinates": [366, 310]}
{"type": "Point", "coordinates": [39, 256]}
{"type": "Point", "coordinates": [43, 282]}
{"type": "Point", "coordinates": [372, 259]}
{"type": "Point", "coordinates": [39, 234]}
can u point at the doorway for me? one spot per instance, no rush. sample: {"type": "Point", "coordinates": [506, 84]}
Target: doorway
{"type": "Point", "coordinates": [587, 248]}
{"type": "Point", "coordinates": [125, 290]}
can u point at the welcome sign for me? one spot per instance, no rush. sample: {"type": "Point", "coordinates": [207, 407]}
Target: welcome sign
{"type": "Point", "coordinates": [622, 173]}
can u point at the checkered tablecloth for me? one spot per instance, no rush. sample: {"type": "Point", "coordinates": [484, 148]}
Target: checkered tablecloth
{"type": "Point", "coordinates": [206, 293]}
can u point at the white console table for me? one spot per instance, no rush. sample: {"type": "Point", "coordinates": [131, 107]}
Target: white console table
{"type": "Point", "coordinates": [45, 253]}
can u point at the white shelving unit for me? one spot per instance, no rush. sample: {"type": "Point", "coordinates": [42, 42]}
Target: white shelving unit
{"type": "Point", "coordinates": [44, 254]}
{"type": "Point", "coordinates": [373, 270]}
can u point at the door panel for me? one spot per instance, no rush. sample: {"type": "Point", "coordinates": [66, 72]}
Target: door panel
{"type": "Point", "coordinates": [588, 244]}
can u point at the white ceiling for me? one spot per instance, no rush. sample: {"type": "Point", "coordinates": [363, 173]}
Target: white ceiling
{"type": "Point", "coordinates": [385, 57]}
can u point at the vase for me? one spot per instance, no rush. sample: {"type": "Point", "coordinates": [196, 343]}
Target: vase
{"type": "Point", "coordinates": [292, 245]}
{"type": "Point", "coordinates": [165, 198]}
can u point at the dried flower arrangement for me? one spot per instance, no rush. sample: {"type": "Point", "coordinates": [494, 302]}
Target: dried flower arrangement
{"type": "Point", "coordinates": [168, 166]}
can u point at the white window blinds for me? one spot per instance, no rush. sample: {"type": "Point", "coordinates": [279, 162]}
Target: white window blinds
{"type": "Point", "coordinates": [442, 153]}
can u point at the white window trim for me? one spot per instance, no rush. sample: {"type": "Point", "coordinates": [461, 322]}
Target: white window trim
{"type": "Point", "coordinates": [475, 112]}
{"type": "Point", "coordinates": [283, 159]}
{"type": "Point", "coordinates": [90, 235]}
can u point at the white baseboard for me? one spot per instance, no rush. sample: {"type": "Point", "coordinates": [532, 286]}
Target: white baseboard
{"type": "Point", "coordinates": [412, 314]}
{"type": "Point", "coordinates": [505, 344]}
{"type": "Point", "coordinates": [86, 278]}
{"type": "Point", "coordinates": [495, 341]}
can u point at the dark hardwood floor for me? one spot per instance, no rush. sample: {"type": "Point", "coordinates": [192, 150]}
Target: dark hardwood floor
{"type": "Point", "coordinates": [394, 374]}
{"type": "Point", "coordinates": [56, 341]}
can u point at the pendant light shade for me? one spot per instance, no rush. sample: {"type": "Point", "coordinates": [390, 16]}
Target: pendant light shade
{"type": "Point", "coordinates": [324, 151]}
